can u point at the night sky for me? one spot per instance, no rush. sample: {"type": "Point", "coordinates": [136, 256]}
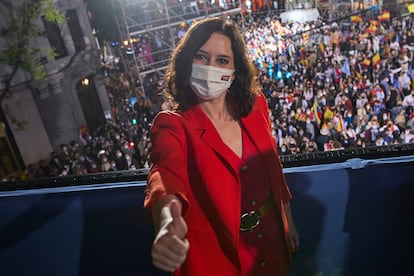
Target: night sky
{"type": "Point", "coordinates": [103, 19]}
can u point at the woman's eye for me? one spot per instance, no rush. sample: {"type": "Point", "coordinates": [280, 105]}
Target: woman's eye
{"type": "Point", "coordinates": [200, 57]}
{"type": "Point", "coordinates": [222, 61]}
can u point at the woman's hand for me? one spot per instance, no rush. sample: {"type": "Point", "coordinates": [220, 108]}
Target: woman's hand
{"type": "Point", "coordinates": [170, 246]}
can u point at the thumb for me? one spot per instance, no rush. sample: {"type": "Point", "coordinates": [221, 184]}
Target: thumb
{"type": "Point", "coordinates": [178, 224]}
{"type": "Point", "coordinates": [175, 209]}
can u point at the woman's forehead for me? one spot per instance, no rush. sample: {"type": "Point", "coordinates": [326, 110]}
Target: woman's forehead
{"type": "Point", "coordinates": [217, 43]}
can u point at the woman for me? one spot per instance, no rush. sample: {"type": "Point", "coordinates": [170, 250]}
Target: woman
{"type": "Point", "coordinates": [217, 195]}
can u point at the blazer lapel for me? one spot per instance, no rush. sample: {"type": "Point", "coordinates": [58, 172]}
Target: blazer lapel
{"type": "Point", "coordinates": [209, 134]}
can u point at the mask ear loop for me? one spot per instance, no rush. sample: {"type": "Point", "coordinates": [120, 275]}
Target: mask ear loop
{"type": "Point", "coordinates": [233, 77]}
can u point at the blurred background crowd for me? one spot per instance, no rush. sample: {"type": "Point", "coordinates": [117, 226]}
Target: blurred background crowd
{"type": "Point", "coordinates": [329, 87]}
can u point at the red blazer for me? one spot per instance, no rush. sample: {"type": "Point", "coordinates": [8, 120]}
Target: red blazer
{"type": "Point", "coordinates": [189, 161]}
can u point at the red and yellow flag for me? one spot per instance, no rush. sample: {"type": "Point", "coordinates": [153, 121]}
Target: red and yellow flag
{"type": "Point", "coordinates": [374, 23]}
{"type": "Point", "coordinates": [371, 29]}
{"type": "Point", "coordinates": [356, 18]}
{"type": "Point", "coordinates": [317, 111]}
{"type": "Point", "coordinates": [376, 59]}
{"type": "Point", "coordinates": [328, 114]}
{"type": "Point", "coordinates": [322, 47]}
{"type": "Point", "coordinates": [390, 36]}
{"type": "Point", "coordinates": [305, 37]}
{"type": "Point", "coordinates": [384, 16]}
{"type": "Point", "coordinates": [366, 62]}
{"type": "Point", "coordinates": [336, 38]}
{"type": "Point", "coordinates": [359, 76]}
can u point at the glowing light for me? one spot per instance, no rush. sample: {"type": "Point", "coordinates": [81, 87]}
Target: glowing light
{"type": "Point", "coordinates": [85, 82]}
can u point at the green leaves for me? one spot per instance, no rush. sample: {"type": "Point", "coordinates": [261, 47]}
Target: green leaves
{"type": "Point", "coordinates": [51, 14]}
{"type": "Point", "coordinates": [20, 34]}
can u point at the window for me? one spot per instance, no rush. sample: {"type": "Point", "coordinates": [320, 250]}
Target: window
{"type": "Point", "coordinates": [55, 39]}
{"type": "Point", "coordinates": [75, 30]}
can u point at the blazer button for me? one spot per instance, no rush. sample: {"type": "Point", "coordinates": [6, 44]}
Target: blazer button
{"type": "Point", "coordinates": [253, 202]}
{"type": "Point", "coordinates": [260, 235]}
{"type": "Point", "coordinates": [244, 168]}
{"type": "Point", "coordinates": [263, 263]}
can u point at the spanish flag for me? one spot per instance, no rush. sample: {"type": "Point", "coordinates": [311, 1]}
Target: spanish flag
{"type": "Point", "coordinates": [390, 36]}
{"type": "Point", "coordinates": [359, 76]}
{"type": "Point", "coordinates": [301, 117]}
{"type": "Point", "coordinates": [384, 16]}
{"type": "Point", "coordinates": [371, 29]}
{"type": "Point", "coordinates": [336, 38]}
{"type": "Point", "coordinates": [356, 18]}
{"type": "Point", "coordinates": [317, 111]}
{"type": "Point", "coordinates": [328, 114]}
{"type": "Point", "coordinates": [366, 62]}
{"type": "Point", "coordinates": [305, 37]}
{"type": "Point", "coordinates": [376, 59]}
{"type": "Point", "coordinates": [322, 47]}
{"type": "Point", "coordinates": [374, 23]}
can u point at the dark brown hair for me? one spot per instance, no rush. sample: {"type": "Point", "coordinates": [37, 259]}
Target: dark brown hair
{"type": "Point", "coordinates": [243, 89]}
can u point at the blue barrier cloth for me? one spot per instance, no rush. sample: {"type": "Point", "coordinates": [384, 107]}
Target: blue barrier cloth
{"type": "Point", "coordinates": [354, 218]}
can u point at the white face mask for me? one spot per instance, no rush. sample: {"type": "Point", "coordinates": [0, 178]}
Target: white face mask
{"type": "Point", "coordinates": [209, 82]}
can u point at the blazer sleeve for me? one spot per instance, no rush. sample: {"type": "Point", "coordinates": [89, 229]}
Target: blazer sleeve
{"type": "Point", "coordinates": [168, 173]}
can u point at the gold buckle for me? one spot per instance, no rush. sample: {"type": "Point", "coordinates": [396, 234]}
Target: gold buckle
{"type": "Point", "coordinates": [250, 220]}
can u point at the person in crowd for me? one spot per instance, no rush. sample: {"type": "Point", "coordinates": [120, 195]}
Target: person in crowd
{"type": "Point", "coordinates": [323, 138]}
{"type": "Point", "coordinates": [65, 156]}
{"type": "Point", "coordinates": [293, 148]}
{"type": "Point", "coordinates": [55, 163]}
{"type": "Point", "coordinates": [392, 98]}
{"type": "Point", "coordinates": [105, 163]}
{"type": "Point", "coordinates": [349, 136]}
{"type": "Point", "coordinates": [216, 192]}
{"type": "Point", "coordinates": [308, 145]}
{"type": "Point", "coordinates": [284, 150]}
{"type": "Point", "coordinates": [121, 161]}
{"type": "Point", "coordinates": [409, 99]}
{"type": "Point", "coordinates": [408, 135]}
{"type": "Point", "coordinates": [400, 119]}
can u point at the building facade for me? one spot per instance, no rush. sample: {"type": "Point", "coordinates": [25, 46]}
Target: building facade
{"type": "Point", "coordinates": [55, 108]}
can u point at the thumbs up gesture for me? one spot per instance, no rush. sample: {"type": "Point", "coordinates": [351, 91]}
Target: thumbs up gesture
{"type": "Point", "coordinates": [170, 246]}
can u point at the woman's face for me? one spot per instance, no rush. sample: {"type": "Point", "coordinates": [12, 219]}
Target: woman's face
{"type": "Point", "coordinates": [216, 52]}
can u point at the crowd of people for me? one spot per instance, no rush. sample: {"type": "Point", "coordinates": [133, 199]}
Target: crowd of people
{"type": "Point", "coordinates": [329, 86]}
{"type": "Point", "coordinates": [121, 144]}
{"type": "Point", "coordinates": [336, 86]}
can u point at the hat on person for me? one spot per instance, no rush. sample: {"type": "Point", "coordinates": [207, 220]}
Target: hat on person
{"type": "Point", "coordinates": [324, 131]}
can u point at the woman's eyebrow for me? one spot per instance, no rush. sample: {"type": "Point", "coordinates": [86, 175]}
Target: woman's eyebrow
{"type": "Point", "coordinates": [201, 51]}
